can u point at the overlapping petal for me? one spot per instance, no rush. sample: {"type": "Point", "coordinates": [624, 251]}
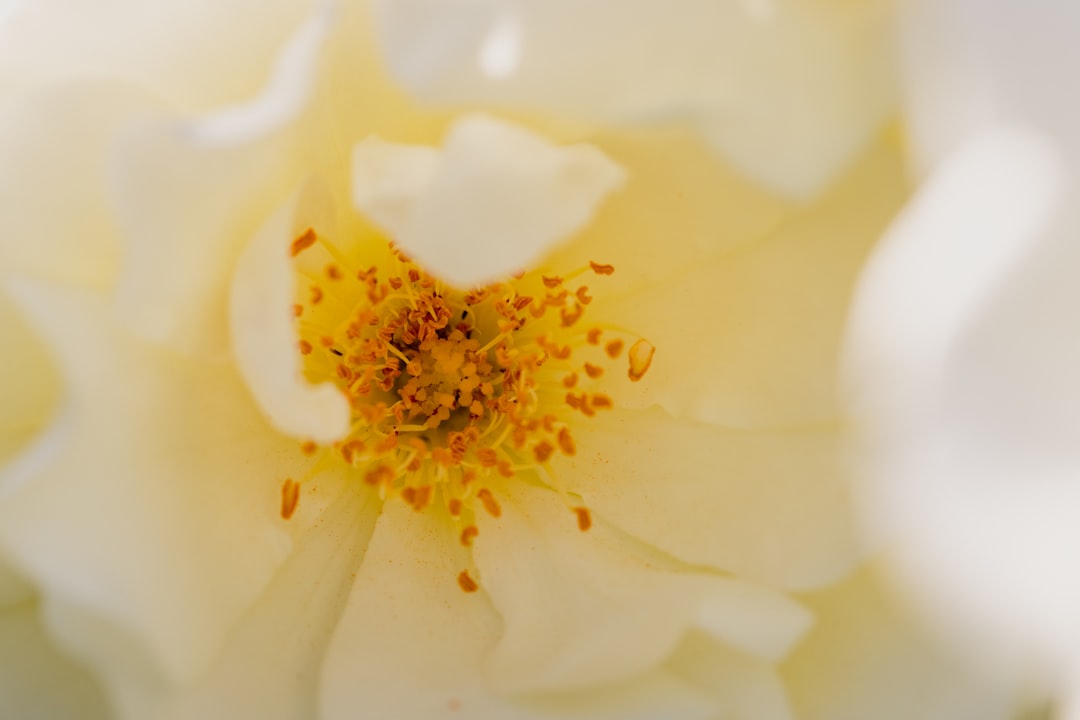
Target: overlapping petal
{"type": "Point", "coordinates": [970, 445]}
{"type": "Point", "coordinates": [37, 681]}
{"type": "Point", "coordinates": [740, 71]}
{"type": "Point", "coordinates": [750, 338]}
{"type": "Point", "coordinates": [589, 609]}
{"type": "Point", "coordinates": [190, 193]}
{"type": "Point", "coordinates": [156, 530]}
{"type": "Point", "coordinates": [190, 52]}
{"type": "Point", "coordinates": [423, 658]}
{"type": "Point", "coordinates": [868, 658]}
{"type": "Point", "coordinates": [490, 204]}
{"type": "Point", "coordinates": [774, 506]}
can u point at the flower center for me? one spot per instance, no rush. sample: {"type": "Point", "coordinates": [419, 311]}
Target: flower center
{"type": "Point", "coordinates": [455, 392]}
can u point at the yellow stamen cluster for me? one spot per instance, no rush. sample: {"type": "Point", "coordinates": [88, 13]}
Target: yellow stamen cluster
{"type": "Point", "coordinates": [453, 392]}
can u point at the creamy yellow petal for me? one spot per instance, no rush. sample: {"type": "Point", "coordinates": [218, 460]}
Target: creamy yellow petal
{"type": "Point", "coordinates": [745, 687]}
{"type": "Point", "coordinates": [189, 194]}
{"type": "Point", "coordinates": [498, 197]}
{"type": "Point", "coordinates": [198, 55]}
{"type": "Point", "coordinates": [679, 206]}
{"type": "Point", "coordinates": [410, 643]}
{"type": "Point", "coordinates": [772, 506]}
{"type": "Point", "coordinates": [269, 665]}
{"type": "Point", "coordinates": [29, 385]}
{"type": "Point", "coordinates": [866, 658]}
{"type": "Point", "coordinates": [264, 338]}
{"type": "Point", "coordinates": [739, 71]}
{"type": "Point", "coordinates": [37, 681]}
{"type": "Point", "coordinates": [54, 147]}
{"type": "Point", "coordinates": [158, 520]}
{"type": "Point", "coordinates": [751, 339]}
{"type": "Point", "coordinates": [588, 608]}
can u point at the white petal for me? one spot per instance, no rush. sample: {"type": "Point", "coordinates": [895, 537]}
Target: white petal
{"type": "Point", "coordinates": [54, 143]}
{"type": "Point", "coordinates": [29, 383]}
{"type": "Point", "coordinates": [495, 199]}
{"type": "Point", "coordinates": [971, 66]}
{"type": "Point", "coordinates": [269, 666]}
{"type": "Point", "coordinates": [772, 506]}
{"type": "Point", "coordinates": [264, 339]}
{"type": "Point", "coordinates": [410, 643]}
{"type": "Point", "coordinates": [587, 608]}
{"type": "Point", "coordinates": [196, 54]}
{"type": "Point", "coordinates": [866, 658]}
{"type": "Point", "coordinates": [287, 92]}
{"type": "Point", "coordinates": [967, 394]}
{"type": "Point", "coordinates": [746, 688]}
{"type": "Point", "coordinates": [37, 681]}
{"type": "Point", "coordinates": [189, 194]}
{"type": "Point", "coordinates": [787, 91]}
{"type": "Point", "coordinates": [158, 527]}
{"type": "Point", "coordinates": [750, 337]}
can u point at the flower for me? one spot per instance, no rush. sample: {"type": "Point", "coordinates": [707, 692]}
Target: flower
{"type": "Point", "coordinates": [193, 544]}
{"type": "Point", "coordinates": [967, 308]}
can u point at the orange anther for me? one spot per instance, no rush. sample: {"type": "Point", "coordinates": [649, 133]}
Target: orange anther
{"type": "Point", "coordinates": [316, 294]}
{"type": "Point", "coordinates": [487, 457]}
{"type": "Point", "coordinates": [570, 380]}
{"type": "Point", "coordinates": [584, 518]}
{"type": "Point", "coordinates": [454, 506]}
{"type": "Point", "coordinates": [583, 296]}
{"type": "Point", "coordinates": [640, 356]}
{"type": "Point", "coordinates": [614, 348]}
{"type": "Point", "coordinates": [566, 442]}
{"type": "Point", "coordinates": [290, 496]}
{"type": "Point", "coordinates": [303, 242]}
{"type": "Point", "coordinates": [466, 583]}
{"type": "Point", "coordinates": [593, 371]}
{"type": "Point", "coordinates": [297, 310]}
{"type": "Point", "coordinates": [601, 269]}
{"type": "Point", "coordinates": [308, 447]}
{"type": "Point", "coordinates": [593, 336]}
{"type": "Point", "coordinates": [551, 282]}
{"type": "Point", "coordinates": [469, 534]}
{"type": "Point", "coordinates": [602, 401]}
{"type": "Point", "coordinates": [334, 272]}
{"type": "Point", "coordinates": [491, 505]}
{"type": "Point", "coordinates": [305, 347]}
{"type": "Point", "coordinates": [380, 475]}
{"type": "Point", "coordinates": [542, 451]}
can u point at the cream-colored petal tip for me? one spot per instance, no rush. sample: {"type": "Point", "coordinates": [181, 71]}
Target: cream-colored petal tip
{"type": "Point", "coordinates": [490, 203]}
{"type": "Point", "coordinates": [264, 341]}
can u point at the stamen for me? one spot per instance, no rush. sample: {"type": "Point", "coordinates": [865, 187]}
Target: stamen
{"type": "Point", "coordinates": [584, 518]}
{"type": "Point", "coordinates": [640, 356]}
{"type": "Point", "coordinates": [290, 496]}
{"type": "Point", "coordinates": [303, 242]}
{"type": "Point", "coordinates": [466, 583]}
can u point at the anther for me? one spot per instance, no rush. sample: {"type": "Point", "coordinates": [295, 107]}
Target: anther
{"type": "Point", "coordinates": [640, 356]}
{"type": "Point", "coordinates": [468, 534]}
{"type": "Point", "coordinates": [290, 496]}
{"type": "Point", "coordinates": [303, 242]}
{"type": "Point", "coordinates": [491, 505]}
{"type": "Point", "coordinates": [584, 518]}
{"type": "Point", "coordinates": [466, 583]}
{"type": "Point", "coordinates": [566, 442]}
{"type": "Point", "coordinates": [614, 348]}
{"type": "Point", "coordinates": [601, 269]}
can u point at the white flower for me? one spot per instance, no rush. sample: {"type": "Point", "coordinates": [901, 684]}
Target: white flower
{"type": "Point", "coordinates": [195, 546]}
{"type": "Point", "coordinates": [963, 347]}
